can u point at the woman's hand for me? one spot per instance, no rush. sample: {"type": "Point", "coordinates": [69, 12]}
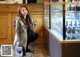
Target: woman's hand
{"type": "Point", "coordinates": [36, 22]}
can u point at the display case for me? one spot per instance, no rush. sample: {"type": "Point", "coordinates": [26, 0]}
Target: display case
{"type": "Point", "coordinates": [65, 19]}
{"type": "Point", "coordinates": [64, 34]}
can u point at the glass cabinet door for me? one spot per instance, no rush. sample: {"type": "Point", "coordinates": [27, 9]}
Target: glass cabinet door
{"type": "Point", "coordinates": [56, 15]}
{"type": "Point", "coordinates": [46, 14]}
{"type": "Point", "coordinates": [72, 20]}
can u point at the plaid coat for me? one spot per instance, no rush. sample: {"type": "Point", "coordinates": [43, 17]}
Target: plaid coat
{"type": "Point", "coordinates": [21, 31]}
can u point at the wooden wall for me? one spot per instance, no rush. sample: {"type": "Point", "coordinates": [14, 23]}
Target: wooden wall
{"type": "Point", "coordinates": [8, 13]}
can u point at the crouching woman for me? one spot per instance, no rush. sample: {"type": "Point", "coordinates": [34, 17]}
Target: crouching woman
{"type": "Point", "coordinates": [24, 28]}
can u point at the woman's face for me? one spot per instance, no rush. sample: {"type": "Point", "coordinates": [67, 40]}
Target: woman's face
{"type": "Point", "coordinates": [23, 11]}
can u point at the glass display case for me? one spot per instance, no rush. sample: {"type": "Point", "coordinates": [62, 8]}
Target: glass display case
{"type": "Point", "coordinates": [65, 20]}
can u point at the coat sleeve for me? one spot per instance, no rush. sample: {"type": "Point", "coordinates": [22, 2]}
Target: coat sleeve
{"type": "Point", "coordinates": [17, 26]}
{"type": "Point", "coordinates": [17, 31]}
{"type": "Point", "coordinates": [32, 25]}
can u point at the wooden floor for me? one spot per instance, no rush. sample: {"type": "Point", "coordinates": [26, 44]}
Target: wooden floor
{"type": "Point", "coordinates": [39, 51]}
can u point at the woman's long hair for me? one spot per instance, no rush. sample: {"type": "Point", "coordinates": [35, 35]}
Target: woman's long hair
{"type": "Point", "coordinates": [21, 16]}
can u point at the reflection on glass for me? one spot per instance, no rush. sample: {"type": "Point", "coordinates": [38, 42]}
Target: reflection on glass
{"type": "Point", "coordinates": [57, 18]}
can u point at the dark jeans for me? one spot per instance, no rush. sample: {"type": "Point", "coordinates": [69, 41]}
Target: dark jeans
{"type": "Point", "coordinates": [23, 51]}
{"type": "Point", "coordinates": [31, 38]}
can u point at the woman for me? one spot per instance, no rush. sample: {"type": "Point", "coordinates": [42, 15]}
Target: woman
{"type": "Point", "coordinates": [24, 28]}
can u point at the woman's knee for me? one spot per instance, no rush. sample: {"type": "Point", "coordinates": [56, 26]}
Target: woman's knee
{"type": "Point", "coordinates": [32, 37]}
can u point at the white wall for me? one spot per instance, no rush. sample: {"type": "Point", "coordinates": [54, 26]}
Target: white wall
{"type": "Point", "coordinates": [11, 1]}
{"type": "Point", "coordinates": [21, 1]}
